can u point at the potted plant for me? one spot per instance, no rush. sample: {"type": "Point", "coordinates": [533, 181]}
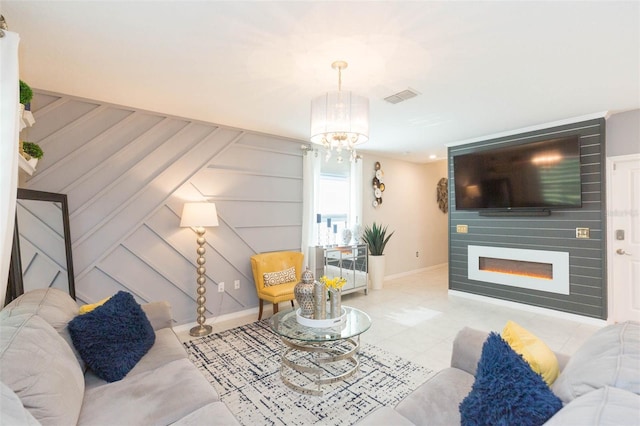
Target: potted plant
{"type": "Point", "coordinates": [31, 152]}
{"type": "Point", "coordinates": [376, 239]}
{"type": "Point", "coordinates": [26, 94]}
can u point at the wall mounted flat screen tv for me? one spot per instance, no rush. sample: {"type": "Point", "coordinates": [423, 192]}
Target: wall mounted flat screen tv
{"type": "Point", "coordinates": [536, 175]}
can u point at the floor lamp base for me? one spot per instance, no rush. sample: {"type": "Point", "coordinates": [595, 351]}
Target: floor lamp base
{"type": "Point", "coordinates": [200, 330]}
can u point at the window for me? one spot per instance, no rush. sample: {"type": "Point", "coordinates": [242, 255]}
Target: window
{"type": "Point", "coordinates": [334, 199]}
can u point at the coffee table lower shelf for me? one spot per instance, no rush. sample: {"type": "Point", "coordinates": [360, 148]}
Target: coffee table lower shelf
{"type": "Point", "coordinates": [318, 355]}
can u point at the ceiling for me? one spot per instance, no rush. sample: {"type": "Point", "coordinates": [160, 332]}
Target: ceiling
{"type": "Point", "coordinates": [481, 68]}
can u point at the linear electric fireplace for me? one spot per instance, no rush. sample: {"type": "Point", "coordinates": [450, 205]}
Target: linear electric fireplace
{"type": "Point", "coordinates": [533, 269]}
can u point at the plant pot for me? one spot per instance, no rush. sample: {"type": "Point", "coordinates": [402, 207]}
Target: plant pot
{"type": "Point", "coordinates": [376, 271]}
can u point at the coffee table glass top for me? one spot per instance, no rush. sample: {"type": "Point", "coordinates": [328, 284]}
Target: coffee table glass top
{"type": "Point", "coordinates": [286, 325]}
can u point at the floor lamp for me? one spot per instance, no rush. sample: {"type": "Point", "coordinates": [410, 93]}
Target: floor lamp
{"type": "Point", "coordinates": [198, 216]}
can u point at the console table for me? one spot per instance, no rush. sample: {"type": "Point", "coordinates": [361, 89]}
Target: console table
{"type": "Point", "coordinates": [348, 262]}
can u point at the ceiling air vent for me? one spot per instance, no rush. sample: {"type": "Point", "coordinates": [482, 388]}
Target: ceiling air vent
{"type": "Point", "coordinates": [401, 96]}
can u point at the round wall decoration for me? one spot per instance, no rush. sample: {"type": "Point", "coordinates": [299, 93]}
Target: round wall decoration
{"type": "Point", "coordinates": [378, 185]}
{"type": "Point", "coordinates": [442, 195]}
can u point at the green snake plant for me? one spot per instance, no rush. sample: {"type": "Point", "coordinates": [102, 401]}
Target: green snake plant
{"type": "Point", "coordinates": [376, 238]}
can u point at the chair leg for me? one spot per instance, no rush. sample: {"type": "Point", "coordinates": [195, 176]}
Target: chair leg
{"type": "Point", "coordinates": [292, 304]}
{"type": "Point", "coordinates": [260, 313]}
{"type": "Point", "coordinates": [275, 308]}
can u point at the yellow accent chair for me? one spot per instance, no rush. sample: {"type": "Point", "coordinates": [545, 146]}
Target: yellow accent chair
{"type": "Point", "coordinates": [276, 262]}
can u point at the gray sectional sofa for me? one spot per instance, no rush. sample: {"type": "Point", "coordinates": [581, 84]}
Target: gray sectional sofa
{"type": "Point", "coordinates": [598, 385]}
{"type": "Point", "coordinates": [44, 380]}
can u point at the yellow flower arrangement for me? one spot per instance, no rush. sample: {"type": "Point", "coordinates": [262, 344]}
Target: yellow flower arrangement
{"type": "Point", "coordinates": [335, 283]}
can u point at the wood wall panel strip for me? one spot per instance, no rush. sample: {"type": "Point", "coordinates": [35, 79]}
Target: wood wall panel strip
{"type": "Point", "coordinates": [56, 120]}
{"type": "Point", "coordinates": [72, 137]}
{"type": "Point", "coordinates": [91, 153]}
{"type": "Point", "coordinates": [137, 271]}
{"type": "Point", "coordinates": [96, 285]}
{"type": "Point", "coordinates": [128, 185]}
{"type": "Point", "coordinates": [135, 211]}
{"type": "Point", "coordinates": [42, 103]}
{"type": "Point", "coordinates": [150, 248]}
{"type": "Point", "coordinates": [223, 260]}
{"type": "Point", "coordinates": [126, 202]}
{"type": "Point", "coordinates": [119, 162]}
{"type": "Point", "coordinates": [249, 187]}
{"type": "Point", "coordinates": [260, 162]}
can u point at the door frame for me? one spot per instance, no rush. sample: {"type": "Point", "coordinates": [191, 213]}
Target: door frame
{"type": "Point", "coordinates": [610, 234]}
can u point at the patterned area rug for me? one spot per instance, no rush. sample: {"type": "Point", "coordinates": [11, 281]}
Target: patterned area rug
{"type": "Point", "coordinates": [243, 364]}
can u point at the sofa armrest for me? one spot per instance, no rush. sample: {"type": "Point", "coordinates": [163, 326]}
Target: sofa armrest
{"type": "Point", "coordinates": [467, 348]}
{"type": "Point", "coordinates": [159, 314]}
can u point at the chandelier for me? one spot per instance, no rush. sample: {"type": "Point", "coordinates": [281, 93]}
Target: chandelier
{"type": "Point", "coordinates": [340, 120]}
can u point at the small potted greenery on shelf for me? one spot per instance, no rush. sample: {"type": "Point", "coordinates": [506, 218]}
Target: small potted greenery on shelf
{"type": "Point", "coordinates": [31, 152]}
{"type": "Point", "coordinates": [26, 94]}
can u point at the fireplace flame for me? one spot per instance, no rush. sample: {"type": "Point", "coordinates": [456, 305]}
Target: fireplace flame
{"type": "Point", "coordinates": [518, 273]}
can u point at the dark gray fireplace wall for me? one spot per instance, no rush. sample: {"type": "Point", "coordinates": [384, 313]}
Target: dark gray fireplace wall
{"type": "Point", "coordinates": [557, 232]}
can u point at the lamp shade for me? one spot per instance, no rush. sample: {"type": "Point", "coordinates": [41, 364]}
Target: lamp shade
{"type": "Point", "coordinates": [199, 215]}
{"type": "Point", "coordinates": [337, 115]}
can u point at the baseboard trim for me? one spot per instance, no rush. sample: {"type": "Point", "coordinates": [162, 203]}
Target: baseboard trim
{"type": "Point", "coordinates": [530, 308]}
{"type": "Point", "coordinates": [415, 271]}
{"type": "Point", "coordinates": [215, 320]}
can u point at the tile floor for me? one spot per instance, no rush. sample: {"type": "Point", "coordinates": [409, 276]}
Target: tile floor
{"type": "Point", "coordinates": [414, 317]}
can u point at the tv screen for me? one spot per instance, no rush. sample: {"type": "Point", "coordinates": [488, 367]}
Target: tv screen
{"type": "Point", "coordinates": [536, 175]}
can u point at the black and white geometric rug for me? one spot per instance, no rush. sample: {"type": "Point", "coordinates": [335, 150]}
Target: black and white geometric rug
{"type": "Point", "coordinates": [243, 364]}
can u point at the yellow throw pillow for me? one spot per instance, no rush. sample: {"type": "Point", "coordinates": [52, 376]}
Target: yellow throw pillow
{"type": "Point", "coordinates": [88, 308]}
{"type": "Point", "coordinates": [537, 354]}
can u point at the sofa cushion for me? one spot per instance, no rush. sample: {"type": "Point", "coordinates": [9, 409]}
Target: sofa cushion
{"type": "Point", "coordinates": [606, 406]}
{"type": "Point", "coordinates": [167, 348]}
{"type": "Point", "coordinates": [537, 354]}
{"type": "Point", "coordinates": [437, 400]}
{"type": "Point", "coordinates": [506, 390]}
{"type": "Point", "coordinates": [13, 412]}
{"type": "Point", "coordinates": [113, 337]}
{"type": "Point", "coordinates": [53, 305]}
{"type": "Point", "coordinates": [161, 397]}
{"type": "Point", "coordinates": [610, 357]}
{"type": "Point", "coordinates": [39, 366]}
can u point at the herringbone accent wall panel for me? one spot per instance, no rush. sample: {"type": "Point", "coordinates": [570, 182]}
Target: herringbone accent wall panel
{"type": "Point", "coordinates": [127, 174]}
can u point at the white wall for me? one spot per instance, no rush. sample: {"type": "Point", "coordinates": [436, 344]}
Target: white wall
{"type": "Point", "coordinates": [411, 210]}
{"type": "Point", "coordinates": [623, 133]}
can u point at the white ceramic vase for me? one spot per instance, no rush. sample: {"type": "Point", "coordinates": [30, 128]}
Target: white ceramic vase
{"type": "Point", "coordinates": [376, 271]}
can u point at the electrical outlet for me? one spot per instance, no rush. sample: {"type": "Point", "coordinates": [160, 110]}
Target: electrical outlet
{"type": "Point", "coordinates": [417, 253]}
{"type": "Point", "coordinates": [462, 229]}
{"type": "Point", "coordinates": [236, 284]}
{"type": "Point", "coordinates": [221, 287]}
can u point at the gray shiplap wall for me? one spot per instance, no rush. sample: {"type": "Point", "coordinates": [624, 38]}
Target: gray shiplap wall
{"type": "Point", "coordinates": [127, 174]}
{"type": "Point", "coordinates": [588, 295]}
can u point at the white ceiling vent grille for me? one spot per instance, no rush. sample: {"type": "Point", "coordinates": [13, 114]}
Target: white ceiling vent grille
{"type": "Point", "coordinates": [401, 96]}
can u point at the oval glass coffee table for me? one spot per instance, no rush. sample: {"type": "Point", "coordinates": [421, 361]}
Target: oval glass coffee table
{"type": "Point", "coordinates": [318, 356]}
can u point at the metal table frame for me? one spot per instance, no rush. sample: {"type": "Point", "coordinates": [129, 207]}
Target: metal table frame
{"type": "Point", "coordinates": [319, 347]}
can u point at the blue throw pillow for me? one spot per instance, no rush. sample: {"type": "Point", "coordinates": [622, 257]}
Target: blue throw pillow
{"type": "Point", "coordinates": [112, 338]}
{"type": "Point", "coordinates": [506, 390]}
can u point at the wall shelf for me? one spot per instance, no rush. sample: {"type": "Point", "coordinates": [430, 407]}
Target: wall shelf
{"type": "Point", "coordinates": [28, 166]}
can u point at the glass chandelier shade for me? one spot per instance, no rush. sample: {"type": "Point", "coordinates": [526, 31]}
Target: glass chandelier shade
{"type": "Point", "coordinates": [339, 119]}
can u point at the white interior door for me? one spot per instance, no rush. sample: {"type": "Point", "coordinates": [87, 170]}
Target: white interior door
{"type": "Point", "coordinates": [624, 237]}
